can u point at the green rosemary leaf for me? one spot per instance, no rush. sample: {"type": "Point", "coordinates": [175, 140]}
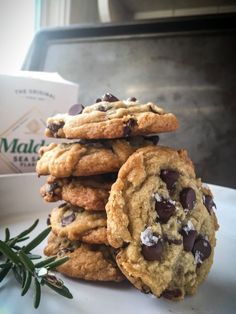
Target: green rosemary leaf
{"type": "Point", "coordinates": [8, 252]}
{"type": "Point", "coordinates": [64, 291]}
{"type": "Point", "coordinates": [4, 265]}
{"type": "Point", "coordinates": [17, 274]}
{"type": "Point", "coordinates": [34, 256]}
{"type": "Point", "coordinates": [7, 235]}
{"type": "Point", "coordinates": [23, 274]}
{"type": "Point", "coordinates": [37, 295]}
{"type": "Point", "coordinates": [27, 262]}
{"type": "Point", "coordinates": [57, 262]}
{"type": "Point", "coordinates": [27, 283]}
{"type": "Point", "coordinates": [22, 239]}
{"type": "Point", "coordinates": [36, 241]}
{"type": "Point", "coordinates": [21, 235]}
{"type": "Point", "coordinates": [45, 262]}
{"type": "Point", "coordinates": [4, 272]}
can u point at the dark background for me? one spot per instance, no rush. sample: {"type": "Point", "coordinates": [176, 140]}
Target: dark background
{"type": "Point", "coordinates": [186, 65]}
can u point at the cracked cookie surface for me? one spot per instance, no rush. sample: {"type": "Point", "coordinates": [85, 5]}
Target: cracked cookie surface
{"type": "Point", "coordinates": [86, 159]}
{"type": "Point", "coordinates": [91, 193]}
{"type": "Point", "coordinates": [89, 262]}
{"type": "Point", "coordinates": [112, 120]}
{"type": "Point", "coordinates": [77, 224]}
{"type": "Point", "coordinates": [161, 217]}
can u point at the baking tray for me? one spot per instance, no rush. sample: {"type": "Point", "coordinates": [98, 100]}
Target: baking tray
{"type": "Point", "coordinates": [187, 65]}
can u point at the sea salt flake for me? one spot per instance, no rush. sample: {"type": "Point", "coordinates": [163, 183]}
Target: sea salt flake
{"type": "Point", "coordinates": [197, 258]}
{"type": "Point", "coordinates": [205, 186]}
{"type": "Point", "coordinates": [188, 227]}
{"type": "Point", "coordinates": [148, 238]}
{"type": "Point", "coordinates": [157, 197]}
{"type": "Point", "coordinates": [172, 202]}
{"type": "Point", "coordinates": [42, 272]}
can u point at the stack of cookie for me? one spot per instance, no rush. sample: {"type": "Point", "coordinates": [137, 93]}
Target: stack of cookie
{"type": "Point", "coordinates": [133, 209]}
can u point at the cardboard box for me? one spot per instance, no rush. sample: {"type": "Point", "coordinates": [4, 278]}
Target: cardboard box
{"type": "Point", "coordinates": [26, 100]}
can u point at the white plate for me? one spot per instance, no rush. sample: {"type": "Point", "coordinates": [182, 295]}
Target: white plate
{"type": "Point", "coordinates": [20, 205]}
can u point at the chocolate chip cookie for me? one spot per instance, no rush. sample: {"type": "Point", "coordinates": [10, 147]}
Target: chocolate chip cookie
{"type": "Point", "coordinates": [87, 158]}
{"type": "Point", "coordinates": [91, 193]}
{"type": "Point", "coordinates": [89, 262]}
{"type": "Point", "coordinates": [77, 224]}
{"type": "Point", "coordinates": [162, 219]}
{"type": "Point", "coordinates": [111, 118]}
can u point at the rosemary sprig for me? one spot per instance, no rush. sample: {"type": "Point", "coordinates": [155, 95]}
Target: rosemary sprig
{"type": "Point", "coordinates": [20, 261]}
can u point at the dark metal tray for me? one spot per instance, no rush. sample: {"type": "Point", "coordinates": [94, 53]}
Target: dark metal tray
{"type": "Point", "coordinates": [187, 65]}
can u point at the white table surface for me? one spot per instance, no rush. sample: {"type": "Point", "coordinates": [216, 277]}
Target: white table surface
{"type": "Point", "coordinates": [20, 205]}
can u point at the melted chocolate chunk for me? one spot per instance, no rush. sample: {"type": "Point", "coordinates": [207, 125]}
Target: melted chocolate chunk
{"type": "Point", "coordinates": [201, 247]}
{"type": "Point", "coordinates": [103, 108]}
{"type": "Point", "coordinates": [172, 241]}
{"type": "Point", "coordinates": [165, 209]}
{"type": "Point", "coordinates": [109, 97]}
{"type": "Point", "coordinates": [98, 100]}
{"type": "Point", "coordinates": [128, 127]}
{"type": "Point", "coordinates": [76, 109]}
{"type": "Point", "coordinates": [67, 219]}
{"type": "Point", "coordinates": [154, 139]}
{"type": "Point", "coordinates": [154, 252]}
{"type": "Point", "coordinates": [132, 99]}
{"type": "Point", "coordinates": [189, 238]}
{"type": "Point", "coordinates": [62, 205]}
{"type": "Point", "coordinates": [54, 127]}
{"type": "Point", "coordinates": [209, 203]}
{"type": "Point", "coordinates": [187, 198]}
{"type": "Point", "coordinates": [172, 294]}
{"type": "Point", "coordinates": [170, 177]}
{"type": "Point", "coordinates": [52, 187]}
{"type": "Point", "coordinates": [49, 220]}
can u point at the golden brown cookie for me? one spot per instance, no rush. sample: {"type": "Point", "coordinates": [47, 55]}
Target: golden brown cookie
{"type": "Point", "coordinates": [89, 262]}
{"type": "Point", "coordinates": [111, 118]}
{"type": "Point", "coordinates": [91, 193]}
{"type": "Point", "coordinates": [87, 158]}
{"type": "Point", "coordinates": [161, 217]}
{"type": "Point", "coordinates": [77, 224]}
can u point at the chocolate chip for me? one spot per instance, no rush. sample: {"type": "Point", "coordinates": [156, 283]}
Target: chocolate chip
{"type": "Point", "coordinates": [49, 220]}
{"type": "Point", "coordinates": [189, 238]}
{"type": "Point", "coordinates": [103, 108]}
{"type": "Point", "coordinates": [76, 109]}
{"type": "Point", "coordinates": [170, 177]}
{"type": "Point", "coordinates": [128, 127]}
{"type": "Point", "coordinates": [187, 198]}
{"type": "Point", "coordinates": [154, 139]}
{"type": "Point", "coordinates": [165, 209]}
{"type": "Point", "coordinates": [98, 100]}
{"type": "Point", "coordinates": [172, 294]}
{"type": "Point", "coordinates": [132, 99]}
{"type": "Point", "coordinates": [54, 127]}
{"type": "Point", "coordinates": [67, 219]}
{"type": "Point", "coordinates": [62, 205]}
{"type": "Point", "coordinates": [172, 241]}
{"type": "Point", "coordinates": [202, 249]}
{"type": "Point", "coordinates": [109, 97]}
{"type": "Point", "coordinates": [52, 187]}
{"type": "Point", "coordinates": [209, 203]}
{"type": "Point", "coordinates": [154, 252]}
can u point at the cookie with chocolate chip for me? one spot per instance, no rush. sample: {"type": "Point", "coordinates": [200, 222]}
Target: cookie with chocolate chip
{"type": "Point", "coordinates": [77, 224]}
{"type": "Point", "coordinates": [86, 158]}
{"type": "Point", "coordinates": [89, 262]}
{"type": "Point", "coordinates": [91, 193]}
{"type": "Point", "coordinates": [162, 219]}
{"type": "Point", "coordinates": [111, 118]}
